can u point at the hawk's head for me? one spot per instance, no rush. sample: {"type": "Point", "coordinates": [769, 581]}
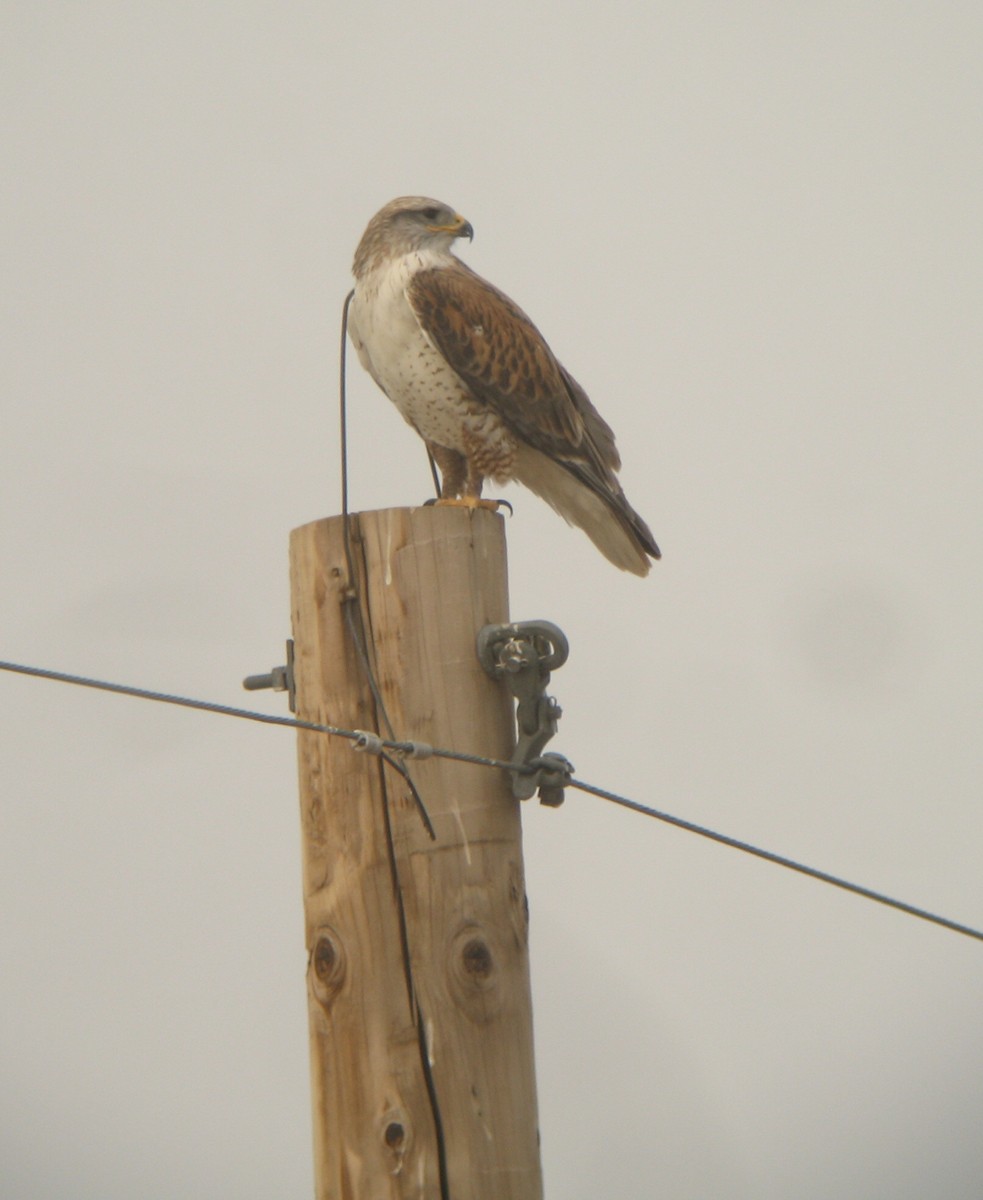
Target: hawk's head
{"type": "Point", "coordinates": [407, 224]}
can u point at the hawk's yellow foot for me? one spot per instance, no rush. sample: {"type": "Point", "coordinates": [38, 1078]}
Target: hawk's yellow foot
{"type": "Point", "coordinates": [474, 502]}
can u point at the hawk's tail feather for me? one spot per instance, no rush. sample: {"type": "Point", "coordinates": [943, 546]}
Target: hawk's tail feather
{"type": "Point", "coordinates": [605, 516]}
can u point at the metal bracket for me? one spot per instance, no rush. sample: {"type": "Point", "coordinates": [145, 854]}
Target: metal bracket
{"type": "Point", "coordinates": [524, 654]}
{"type": "Point", "coordinates": [280, 679]}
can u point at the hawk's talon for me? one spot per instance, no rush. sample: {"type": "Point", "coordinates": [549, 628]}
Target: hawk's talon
{"type": "Point", "coordinates": [469, 502]}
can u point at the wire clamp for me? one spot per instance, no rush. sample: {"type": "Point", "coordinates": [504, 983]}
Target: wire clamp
{"type": "Point", "coordinates": [367, 743]}
{"type": "Point", "coordinates": [553, 773]}
{"type": "Point", "coordinates": [524, 654]}
{"type": "Point", "coordinates": [413, 750]}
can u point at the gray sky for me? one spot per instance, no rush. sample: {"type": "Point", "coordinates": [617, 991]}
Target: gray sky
{"type": "Point", "coordinates": [753, 233]}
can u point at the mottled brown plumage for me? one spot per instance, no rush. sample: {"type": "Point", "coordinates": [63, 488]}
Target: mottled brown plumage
{"type": "Point", "coordinates": [474, 376]}
{"type": "Point", "coordinates": [496, 349]}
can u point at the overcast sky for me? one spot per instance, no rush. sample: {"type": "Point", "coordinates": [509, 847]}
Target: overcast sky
{"type": "Point", "coordinates": [752, 232]}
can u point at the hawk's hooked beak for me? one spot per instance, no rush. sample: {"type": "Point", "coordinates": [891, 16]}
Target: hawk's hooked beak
{"type": "Point", "coordinates": [458, 227]}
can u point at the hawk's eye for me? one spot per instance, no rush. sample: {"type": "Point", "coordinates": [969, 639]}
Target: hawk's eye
{"type": "Point", "coordinates": [431, 214]}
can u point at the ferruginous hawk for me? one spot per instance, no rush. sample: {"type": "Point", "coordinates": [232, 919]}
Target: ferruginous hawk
{"type": "Point", "coordinates": [475, 378]}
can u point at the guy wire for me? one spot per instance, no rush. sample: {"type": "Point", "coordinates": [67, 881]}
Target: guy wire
{"type": "Point", "coordinates": [359, 737]}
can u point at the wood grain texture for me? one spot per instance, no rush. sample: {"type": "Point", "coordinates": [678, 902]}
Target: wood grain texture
{"type": "Point", "coordinates": [430, 579]}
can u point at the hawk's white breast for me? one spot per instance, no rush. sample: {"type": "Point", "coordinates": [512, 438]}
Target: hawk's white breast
{"type": "Point", "coordinates": [403, 361]}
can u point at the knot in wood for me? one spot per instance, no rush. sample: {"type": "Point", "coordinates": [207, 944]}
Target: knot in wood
{"type": "Point", "coordinates": [476, 957]}
{"type": "Point", "coordinates": [396, 1131]}
{"type": "Point", "coordinates": [474, 973]}
{"type": "Point", "coordinates": [324, 958]}
{"type": "Point", "coordinates": [327, 966]}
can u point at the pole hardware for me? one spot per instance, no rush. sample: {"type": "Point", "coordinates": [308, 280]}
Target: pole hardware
{"type": "Point", "coordinates": [523, 654]}
{"type": "Point", "coordinates": [280, 679]}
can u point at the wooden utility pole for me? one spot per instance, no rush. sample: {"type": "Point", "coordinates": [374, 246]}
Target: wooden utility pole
{"type": "Point", "coordinates": [418, 978]}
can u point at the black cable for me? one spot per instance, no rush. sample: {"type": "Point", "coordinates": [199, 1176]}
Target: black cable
{"type": "Point", "coordinates": [356, 621]}
{"type": "Point", "coordinates": [416, 1010]}
{"type": "Point", "coordinates": [433, 472]}
{"type": "Point", "coordinates": [354, 615]}
{"type": "Point", "coordinates": [342, 406]}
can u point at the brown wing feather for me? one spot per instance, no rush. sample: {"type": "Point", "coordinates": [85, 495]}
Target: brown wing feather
{"type": "Point", "coordinates": [502, 357]}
